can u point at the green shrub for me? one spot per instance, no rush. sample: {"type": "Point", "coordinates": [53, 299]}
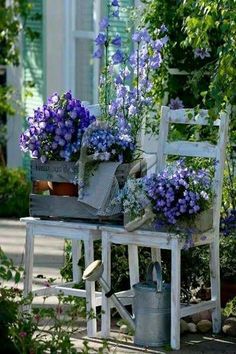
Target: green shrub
{"type": "Point", "coordinates": [14, 193]}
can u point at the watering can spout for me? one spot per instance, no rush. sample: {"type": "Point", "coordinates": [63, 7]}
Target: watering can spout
{"type": "Point", "coordinates": [94, 273]}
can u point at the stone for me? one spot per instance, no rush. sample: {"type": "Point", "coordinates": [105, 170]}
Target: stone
{"type": "Point", "coordinates": [192, 327]}
{"type": "Point", "coordinates": [196, 318]}
{"type": "Point", "coordinates": [229, 326]}
{"type": "Point", "coordinates": [203, 315]}
{"type": "Point", "coordinates": [124, 329]}
{"type": "Point", "coordinates": [183, 326]}
{"type": "Point", "coordinates": [204, 326]}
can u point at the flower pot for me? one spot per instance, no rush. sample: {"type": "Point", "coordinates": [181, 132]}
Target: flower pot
{"type": "Point", "coordinates": [63, 189]}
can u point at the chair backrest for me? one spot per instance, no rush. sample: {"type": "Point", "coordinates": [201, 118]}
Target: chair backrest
{"type": "Point", "coordinates": [195, 148]}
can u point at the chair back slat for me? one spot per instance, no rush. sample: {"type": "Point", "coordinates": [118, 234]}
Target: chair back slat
{"type": "Point", "coordinates": [202, 149]}
{"type": "Point", "coordinates": [189, 148]}
{"type": "Point", "coordinates": [188, 116]}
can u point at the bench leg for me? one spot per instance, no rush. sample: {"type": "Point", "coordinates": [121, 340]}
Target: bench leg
{"type": "Point", "coordinates": [90, 290]}
{"type": "Point", "coordinates": [215, 285]}
{"type": "Point", "coordinates": [133, 264]}
{"type": "Point", "coordinates": [76, 255]}
{"type": "Point", "coordinates": [106, 259]}
{"type": "Point", "coordinates": [175, 294]}
{"type": "Point", "coordinates": [29, 255]}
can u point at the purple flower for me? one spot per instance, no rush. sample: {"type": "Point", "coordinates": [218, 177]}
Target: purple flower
{"type": "Point", "coordinates": [118, 57]}
{"type": "Point", "coordinates": [163, 28]}
{"type": "Point", "coordinates": [98, 53]}
{"type": "Point", "coordinates": [137, 36]}
{"type": "Point", "coordinates": [145, 35]}
{"type": "Point", "coordinates": [115, 3]}
{"type": "Point", "coordinates": [116, 13]}
{"type": "Point", "coordinates": [101, 39]}
{"type": "Point", "coordinates": [176, 103]}
{"type": "Point", "coordinates": [202, 53]}
{"type": "Point", "coordinates": [117, 40]}
{"type": "Point", "coordinates": [104, 23]}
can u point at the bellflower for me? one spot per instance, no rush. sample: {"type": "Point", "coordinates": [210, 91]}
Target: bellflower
{"type": "Point", "coordinates": [126, 83]}
{"type": "Point", "coordinates": [55, 130]}
{"type": "Point", "coordinates": [202, 53]}
{"type": "Point", "coordinates": [176, 194]}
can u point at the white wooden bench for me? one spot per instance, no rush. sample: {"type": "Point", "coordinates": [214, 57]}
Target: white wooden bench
{"type": "Point", "coordinates": [162, 240]}
{"type": "Point", "coordinates": [76, 232]}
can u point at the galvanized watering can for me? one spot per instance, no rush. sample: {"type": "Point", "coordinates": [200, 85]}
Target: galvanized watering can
{"type": "Point", "coordinates": [151, 305]}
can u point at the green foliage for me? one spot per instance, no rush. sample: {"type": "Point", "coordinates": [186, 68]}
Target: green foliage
{"type": "Point", "coordinates": [14, 193]}
{"type": "Point", "coordinates": [230, 308]}
{"type": "Point", "coordinates": [42, 330]}
{"type": "Point", "coordinates": [227, 257]}
{"type": "Point", "coordinates": [205, 24]}
{"type": "Point", "coordinates": [12, 22]}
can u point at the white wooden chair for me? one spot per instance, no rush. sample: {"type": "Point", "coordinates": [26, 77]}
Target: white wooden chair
{"type": "Point", "coordinates": [164, 240]}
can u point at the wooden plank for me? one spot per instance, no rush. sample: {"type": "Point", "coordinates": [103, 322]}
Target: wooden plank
{"type": "Point", "coordinates": [56, 171]}
{"type": "Point", "coordinates": [195, 308]}
{"type": "Point", "coordinates": [65, 207]}
{"type": "Point", "coordinates": [189, 148]}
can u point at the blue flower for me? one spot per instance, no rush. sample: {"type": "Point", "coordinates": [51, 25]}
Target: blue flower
{"type": "Point", "coordinates": [202, 53]}
{"type": "Point", "coordinates": [98, 53]}
{"type": "Point", "coordinates": [104, 23]}
{"type": "Point", "coordinates": [176, 103]}
{"type": "Point", "coordinates": [118, 57]}
{"type": "Point", "coordinates": [101, 39]}
{"type": "Point", "coordinates": [117, 40]}
{"type": "Point", "coordinates": [115, 3]}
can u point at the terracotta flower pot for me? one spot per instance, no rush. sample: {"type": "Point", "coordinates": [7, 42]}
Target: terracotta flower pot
{"type": "Point", "coordinates": [63, 189]}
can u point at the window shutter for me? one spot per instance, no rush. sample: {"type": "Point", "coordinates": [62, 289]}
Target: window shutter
{"type": "Point", "coordinates": [119, 25]}
{"type": "Point", "coordinates": [33, 75]}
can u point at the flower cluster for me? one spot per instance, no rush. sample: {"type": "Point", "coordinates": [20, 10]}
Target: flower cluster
{"type": "Point", "coordinates": [175, 194]}
{"type": "Point", "coordinates": [126, 89]}
{"type": "Point", "coordinates": [55, 130]}
{"type": "Point", "coordinates": [110, 143]}
{"type": "Point", "coordinates": [178, 193]}
{"type": "Point", "coordinates": [228, 224]}
{"type": "Point", "coordinates": [133, 198]}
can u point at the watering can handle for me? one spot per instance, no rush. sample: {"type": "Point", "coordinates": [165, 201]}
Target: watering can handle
{"type": "Point", "coordinates": [149, 277]}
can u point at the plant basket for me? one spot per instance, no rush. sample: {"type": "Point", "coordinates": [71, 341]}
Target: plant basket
{"type": "Point", "coordinates": [199, 223]}
{"type": "Point", "coordinates": [49, 205]}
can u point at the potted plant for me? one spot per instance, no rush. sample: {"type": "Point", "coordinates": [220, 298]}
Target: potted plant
{"type": "Point", "coordinates": [176, 197]}
{"type": "Point", "coordinates": [54, 133]}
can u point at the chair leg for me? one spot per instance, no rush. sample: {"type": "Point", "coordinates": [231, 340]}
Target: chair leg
{"type": "Point", "coordinates": [90, 290]}
{"type": "Point", "coordinates": [133, 264]}
{"type": "Point", "coordinates": [76, 255]}
{"type": "Point", "coordinates": [106, 309]}
{"type": "Point", "coordinates": [215, 285]}
{"type": "Point", "coordinates": [175, 294]}
{"type": "Point", "coordinates": [29, 255]}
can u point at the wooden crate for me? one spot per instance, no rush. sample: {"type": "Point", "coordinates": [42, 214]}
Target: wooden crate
{"type": "Point", "coordinates": [200, 223]}
{"type": "Point", "coordinates": [52, 206]}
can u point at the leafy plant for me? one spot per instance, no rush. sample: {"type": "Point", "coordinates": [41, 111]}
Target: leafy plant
{"type": "Point", "coordinates": [14, 192]}
{"type": "Point", "coordinates": [230, 308]}
{"type": "Point", "coordinates": [126, 81]}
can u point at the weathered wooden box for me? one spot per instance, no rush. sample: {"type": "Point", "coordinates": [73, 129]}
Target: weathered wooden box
{"type": "Point", "coordinates": [200, 223]}
{"type": "Point", "coordinates": [43, 204]}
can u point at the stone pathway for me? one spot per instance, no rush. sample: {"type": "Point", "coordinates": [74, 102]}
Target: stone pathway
{"type": "Point", "coordinates": [48, 261]}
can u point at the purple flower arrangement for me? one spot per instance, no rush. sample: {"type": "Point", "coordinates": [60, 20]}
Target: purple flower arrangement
{"type": "Point", "coordinates": [55, 130]}
{"type": "Point", "coordinates": [110, 143]}
{"type": "Point", "coordinates": [179, 193]}
{"type": "Point", "coordinates": [176, 194]}
{"type": "Point", "coordinates": [126, 82]}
